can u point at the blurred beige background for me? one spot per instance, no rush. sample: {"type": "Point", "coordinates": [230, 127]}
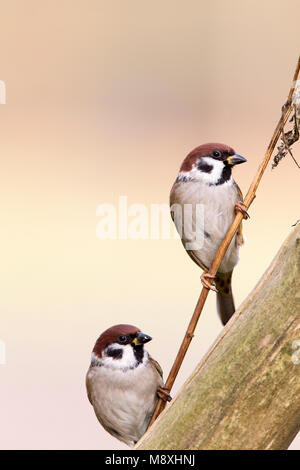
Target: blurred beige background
{"type": "Point", "coordinates": [106, 99]}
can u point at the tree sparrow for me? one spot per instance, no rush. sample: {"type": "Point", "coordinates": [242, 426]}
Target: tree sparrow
{"type": "Point", "coordinates": [123, 382]}
{"type": "Point", "coordinates": [205, 181]}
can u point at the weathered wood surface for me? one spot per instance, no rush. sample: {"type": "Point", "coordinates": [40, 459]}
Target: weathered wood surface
{"type": "Point", "coordinates": [245, 393]}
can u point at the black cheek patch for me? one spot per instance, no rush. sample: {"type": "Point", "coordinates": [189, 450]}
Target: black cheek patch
{"type": "Point", "coordinates": [205, 167]}
{"type": "Point", "coordinates": [115, 353]}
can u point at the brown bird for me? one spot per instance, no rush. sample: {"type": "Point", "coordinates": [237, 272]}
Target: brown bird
{"type": "Point", "coordinates": [124, 382]}
{"type": "Point", "coordinates": [203, 202]}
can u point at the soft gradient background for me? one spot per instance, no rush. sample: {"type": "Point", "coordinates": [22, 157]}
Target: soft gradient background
{"type": "Point", "coordinates": [106, 99]}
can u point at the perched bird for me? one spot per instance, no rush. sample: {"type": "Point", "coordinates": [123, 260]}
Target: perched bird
{"type": "Point", "coordinates": [203, 202]}
{"type": "Point", "coordinates": [124, 382]}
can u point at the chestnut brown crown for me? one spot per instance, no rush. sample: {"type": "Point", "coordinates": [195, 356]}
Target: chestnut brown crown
{"type": "Point", "coordinates": [115, 334]}
{"type": "Point", "coordinates": [212, 149]}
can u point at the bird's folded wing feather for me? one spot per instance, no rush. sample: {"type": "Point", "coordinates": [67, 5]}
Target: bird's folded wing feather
{"type": "Point", "coordinates": [239, 236]}
{"type": "Point", "coordinates": [156, 365]}
{"type": "Point", "coordinates": [88, 389]}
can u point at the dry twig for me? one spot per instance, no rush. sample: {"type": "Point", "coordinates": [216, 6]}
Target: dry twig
{"type": "Point", "coordinates": [250, 196]}
{"type": "Point", "coordinates": [288, 139]}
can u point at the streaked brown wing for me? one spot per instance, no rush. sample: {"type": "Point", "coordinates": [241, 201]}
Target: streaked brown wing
{"type": "Point", "coordinates": [239, 235]}
{"type": "Point", "coordinates": [239, 193]}
{"type": "Point", "coordinates": [156, 365]}
{"type": "Point", "coordinates": [88, 389]}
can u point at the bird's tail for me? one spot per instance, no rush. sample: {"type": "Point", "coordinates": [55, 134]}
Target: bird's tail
{"type": "Point", "coordinates": [225, 302]}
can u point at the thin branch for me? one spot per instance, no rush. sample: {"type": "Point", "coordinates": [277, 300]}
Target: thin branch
{"type": "Point", "coordinates": [250, 196]}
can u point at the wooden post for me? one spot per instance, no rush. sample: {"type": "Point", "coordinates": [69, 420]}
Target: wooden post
{"type": "Point", "coordinates": [245, 393]}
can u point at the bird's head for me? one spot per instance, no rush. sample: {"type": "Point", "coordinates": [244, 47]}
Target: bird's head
{"type": "Point", "coordinates": [121, 347]}
{"type": "Point", "coordinates": [211, 163]}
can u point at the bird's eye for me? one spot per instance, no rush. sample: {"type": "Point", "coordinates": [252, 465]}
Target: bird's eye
{"type": "Point", "coordinates": [122, 339]}
{"type": "Point", "coordinates": [216, 153]}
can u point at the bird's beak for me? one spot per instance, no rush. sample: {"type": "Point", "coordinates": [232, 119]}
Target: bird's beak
{"type": "Point", "coordinates": [235, 159]}
{"type": "Point", "coordinates": [141, 338]}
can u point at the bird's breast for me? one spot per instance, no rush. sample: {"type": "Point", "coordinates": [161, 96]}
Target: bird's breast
{"type": "Point", "coordinates": [124, 401]}
{"type": "Point", "coordinates": [204, 214]}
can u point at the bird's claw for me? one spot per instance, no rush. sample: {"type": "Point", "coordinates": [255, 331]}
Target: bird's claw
{"type": "Point", "coordinates": [164, 394]}
{"type": "Point", "coordinates": [240, 206]}
{"type": "Point", "coordinates": [208, 281]}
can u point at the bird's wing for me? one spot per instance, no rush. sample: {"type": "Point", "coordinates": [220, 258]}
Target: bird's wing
{"type": "Point", "coordinates": [239, 234]}
{"type": "Point", "coordinates": [195, 258]}
{"type": "Point", "coordinates": [88, 389]}
{"type": "Point", "coordinates": [239, 193]}
{"type": "Point", "coordinates": [192, 254]}
{"type": "Point", "coordinates": [156, 365]}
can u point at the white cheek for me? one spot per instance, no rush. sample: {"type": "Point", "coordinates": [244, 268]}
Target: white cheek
{"type": "Point", "coordinates": [215, 173]}
{"type": "Point", "coordinates": [128, 358]}
{"type": "Point", "coordinates": [198, 175]}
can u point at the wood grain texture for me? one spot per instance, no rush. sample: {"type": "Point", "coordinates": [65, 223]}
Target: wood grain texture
{"type": "Point", "coordinates": [245, 393]}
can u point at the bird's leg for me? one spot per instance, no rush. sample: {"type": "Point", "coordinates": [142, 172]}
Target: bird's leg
{"type": "Point", "coordinates": [164, 393]}
{"type": "Point", "coordinates": [208, 281]}
{"type": "Point", "coordinates": [240, 206]}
